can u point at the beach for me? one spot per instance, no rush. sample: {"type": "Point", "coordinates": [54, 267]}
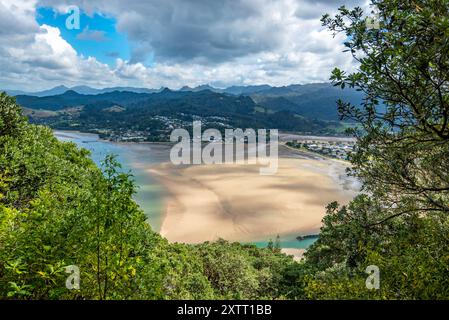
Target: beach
{"type": "Point", "coordinates": [196, 203]}
{"type": "Point", "coordinates": [236, 203]}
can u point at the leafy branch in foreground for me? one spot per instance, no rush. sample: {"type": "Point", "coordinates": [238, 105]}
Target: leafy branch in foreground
{"type": "Point", "coordinates": [402, 157]}
{"type": "Point", "coordinates": [403, 70]}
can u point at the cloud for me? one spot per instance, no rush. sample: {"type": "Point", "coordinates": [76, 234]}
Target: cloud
{"type": "Point", "coordinates": [190, 43]}
{"type": "Point", "coordinates": [35, 57]}
{"type": "Point", "coordinates": [92, 35]}
{"type": "Point", "coordinates": [209, 31]}
{"type": "Point", "coordinates": [205, 31]}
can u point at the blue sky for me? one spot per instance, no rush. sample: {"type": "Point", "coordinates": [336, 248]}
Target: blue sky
{"type": "Point", "coordinates": [114, 44]}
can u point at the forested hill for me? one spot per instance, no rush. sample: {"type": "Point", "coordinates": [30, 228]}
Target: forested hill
{"type": "Point", "coordinates": [153, 115]}
{"type": "Point", "coordinates": [71, 98]}
{"type": "Point", "coordinates": [314, 101]}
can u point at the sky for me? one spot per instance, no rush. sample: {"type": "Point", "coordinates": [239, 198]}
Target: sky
{"type": "Point", "coordinates": [169, 43]}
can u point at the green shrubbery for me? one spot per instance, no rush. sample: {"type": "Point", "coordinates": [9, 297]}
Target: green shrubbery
{"type": "Point", "coordinates": [58, 209]}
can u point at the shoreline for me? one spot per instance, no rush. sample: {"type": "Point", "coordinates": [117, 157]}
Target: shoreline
{"type": "Point", "coordinates": [282, 137]}
{"type": "Point", "coordinates": [316, 154]}
{"type": "Point", "coordinates": [167, 143]}
{"type": "Point", "coordinates": [207, 202]}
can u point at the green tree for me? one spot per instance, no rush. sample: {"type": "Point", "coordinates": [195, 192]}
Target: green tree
{"type": "Point", "coordinates": [403, 149]}
{"type": "Point", "coordinates": [402, 157]}
{"type": "Point", "coordinates": [57, 208]}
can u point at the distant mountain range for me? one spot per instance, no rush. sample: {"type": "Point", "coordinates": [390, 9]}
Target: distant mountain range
{"type": "Point", "coordinates": [151, 113]}
{"type": "Point", "coordinates": [72, 98]}
{"type": "Point", "coordinates": [79, 89]}
{"type": "Point", "coordinates": [315, 101]}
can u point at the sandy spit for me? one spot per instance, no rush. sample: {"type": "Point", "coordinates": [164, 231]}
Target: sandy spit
{"type": "Point", "coordinates": [236, 203]}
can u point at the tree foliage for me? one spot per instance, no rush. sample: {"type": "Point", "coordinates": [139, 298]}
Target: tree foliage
{"type": "Point", "coordinates": [58, 209]}
{"type": "Point", "coordinates": [400, 223]}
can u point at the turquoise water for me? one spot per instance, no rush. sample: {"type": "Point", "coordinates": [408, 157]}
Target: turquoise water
{"type": "Point", "coordinates": [288, 241]}
{"type": "Point", "coordinates": [132, 158]}
{"type": "Point", "coordinates": [135, 158]}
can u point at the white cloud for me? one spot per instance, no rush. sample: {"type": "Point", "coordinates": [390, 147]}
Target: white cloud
{"type": "Point", "coordinates": [221, 43]}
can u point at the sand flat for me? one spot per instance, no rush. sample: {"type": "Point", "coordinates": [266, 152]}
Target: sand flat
{"type": "Point", "coordinates": [298, 254]}
{"type": "Point", "coordinates": [235, 202]}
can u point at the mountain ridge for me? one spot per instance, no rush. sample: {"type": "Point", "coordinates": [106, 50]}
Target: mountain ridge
{"type": "Point", "coordinates": [235, 89]}
{"type": "Point", "coordinates": [314, 101]}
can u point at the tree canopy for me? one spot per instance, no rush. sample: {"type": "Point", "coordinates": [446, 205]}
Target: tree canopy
{"type": "Point", "coordinates": [400, 223]}
{"type": "Point", "coordinates": [58, 209]}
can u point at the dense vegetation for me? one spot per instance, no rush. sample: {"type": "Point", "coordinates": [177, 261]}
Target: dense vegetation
{"type": "Point", "coordinates": [313, 101]}
{"type": "Point", "coordinates": [58, 209]}
{"type": "Point", "coordinates": [401, 223]}
{"type": "Point", "coordinates": [119, 111]}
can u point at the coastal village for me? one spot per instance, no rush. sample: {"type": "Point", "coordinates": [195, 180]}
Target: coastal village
{"type": "Point", "coordinates": [162, 129]}
{"type": "Point", "coordinates": [337, 149]}
{"type": "Point", "coordinates": [334, 149]}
